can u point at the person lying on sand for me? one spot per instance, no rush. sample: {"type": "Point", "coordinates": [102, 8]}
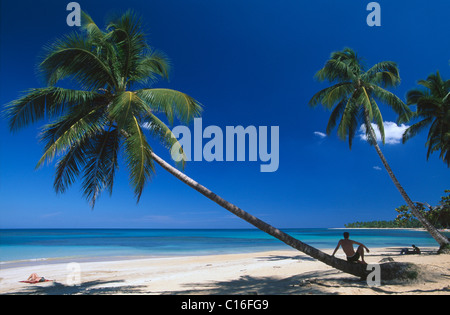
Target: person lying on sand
{"type": "Point", "coordinates": [35, 278]}
{"type": "Point", "coordinates": [347, 247]}
{"type": "Point", "coordinates": [415, 251]}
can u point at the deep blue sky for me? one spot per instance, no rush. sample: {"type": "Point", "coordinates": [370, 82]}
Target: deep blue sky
{"type": "Point", "coordinates": [249, 63]}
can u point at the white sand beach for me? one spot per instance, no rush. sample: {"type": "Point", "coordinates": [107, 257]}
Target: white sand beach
{"type": "Point", "coordinates": [274, 272]}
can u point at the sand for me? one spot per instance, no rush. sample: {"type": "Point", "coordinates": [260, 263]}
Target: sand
{"type": "Point", "coordinates": [274, 272]}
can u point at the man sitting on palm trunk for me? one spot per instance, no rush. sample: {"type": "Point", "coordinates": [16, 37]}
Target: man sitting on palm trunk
{"type": "Point", "coordinates": [347, 247]}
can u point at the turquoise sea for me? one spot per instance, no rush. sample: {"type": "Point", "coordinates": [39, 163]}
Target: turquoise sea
{"type": "Point", "coordinates": [84, 244]}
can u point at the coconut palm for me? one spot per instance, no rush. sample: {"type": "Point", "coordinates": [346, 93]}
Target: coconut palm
{"type": "Point", "coordinates": [433, 106]}
{"type": "Point", "coordinates": [89, 126]}
{"type": "Point", "coordinates": [353, 100]}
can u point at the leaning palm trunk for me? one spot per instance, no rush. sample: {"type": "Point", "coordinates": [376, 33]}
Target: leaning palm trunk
{"type": "Point", "coordinates": [388, 271]}
{"type": "Point", "coordinates": [353, 269]}
{"type": "Point", "coordinates": [441, 239]}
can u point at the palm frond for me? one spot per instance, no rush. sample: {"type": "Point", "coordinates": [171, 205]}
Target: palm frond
{"type": "Point", "coordinates": [433, 106]}
{"type": "Point", "coordinates": [414, 129]}
{"type": "Point", "coordinates": [365, 101]}
{"type": "Point", "coordinates": [435, 84]}
{"type": "Point", "coordinates": [385, 79]}
{"type": "Point", "coordinates": [42, 103]}
{"type": "Point", "coordinates": [384, 74]}
{"type": "Point", "coordinates": [335, 115]}
{"type": "Point", "coordinates": [378, 119]}
{"type": "Point", "coordinates": [446, 99]}
{"type": "Point", "coordinates": [335, 70]}
{"type": "Point", "coordinates": [328, 97]}
{"type": "Point", "coordinates": [433, 140]}
{"type": "Point", "coordinates": [413, 96]}
{"type": "Point", "coordinates": [150, 68]}
{"type": "Point", "coordinates": [138, 157]}
{"type": "Point", "coordinates": [160, 130]}
{"type": "Point", "coordinates": [342, 66]}
{"type": "Point", "coordinates": [352, 126]}
{"type": "Point", "coordinates": [124, 107]}
{"type": "Point", "coordinates": [429, 106]}
{"type": "Point", "coordinates": [100, 165]}
{"type": "Point", "coordinates": [76, 57]}
{"type": "Point", "coordinates": [348, 123]}
{"type": "Point", "coordinates": [70, 165]}
{"type": "Point", "coordinates": [129, 39]}
{"type": "Point", "coordinates": [171, 103]}
{"type": "Point", "coordinates": [350, 57]}
{"type": "Point", "coordinates": [70, 129]}
{"type": "Point", "coordinates": [393, 101]}
{"type": "Point", "coordinates": [92, 30]}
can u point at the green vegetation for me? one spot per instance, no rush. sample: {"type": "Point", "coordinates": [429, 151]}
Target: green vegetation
{"type": "Point", "coordinates": [376, 224]}
{"type": "Point", "coordinates": [352, 99]}
{"type": "Point", "coordinates": [112, 111]}
{"type": "Point", "coordinates": [439, 216]}
{"type": "Point", "coordinates": [433, 107]}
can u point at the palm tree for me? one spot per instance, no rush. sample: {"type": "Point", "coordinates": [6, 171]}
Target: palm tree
{"type": "Point", "coordinates": [89, 126]}
{"type": "Point", "coordinates": [354, 96]}
{"type": "Point", "coordinates": [433, 106]}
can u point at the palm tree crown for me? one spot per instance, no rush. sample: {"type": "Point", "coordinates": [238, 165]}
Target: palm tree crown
{"type": "Point", "coordinates": [433, 106]}
{"type": "Point", "coordinates": [355, 92]}
{"type": "Point", "coordinates": [106, 114]}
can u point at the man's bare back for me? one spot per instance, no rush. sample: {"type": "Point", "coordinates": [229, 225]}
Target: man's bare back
{"type": "Point", "coordinates": [347, 247]}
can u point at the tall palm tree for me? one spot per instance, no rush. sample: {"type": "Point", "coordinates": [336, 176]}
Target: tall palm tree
{"type": "Point", "coordinates": [353, 99]}
{"type": "Point", "coordinates": [433, 106]}
{"type": "Point", "coordinates": [89, 126]}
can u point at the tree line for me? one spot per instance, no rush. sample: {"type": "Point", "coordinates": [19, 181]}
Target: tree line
{"type": "Point", "coordinates": [439, 216]}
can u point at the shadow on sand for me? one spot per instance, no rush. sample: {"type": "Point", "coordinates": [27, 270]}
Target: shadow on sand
{"type": "Point", "coordinates": [248, 285]}
{"type": "Point", "coordinates": [97, 287]}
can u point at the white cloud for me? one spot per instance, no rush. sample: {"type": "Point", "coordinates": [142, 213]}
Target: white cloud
{"type": "Point", "coordinates": [393, 132]}
{"type": "Point", "coordinates": [320, 134]}
{"type": "Point", "coordinates": [377, 168]}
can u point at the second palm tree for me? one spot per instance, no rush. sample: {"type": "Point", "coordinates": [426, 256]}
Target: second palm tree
{"type": "Point", "coordinates": [353, 101]}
